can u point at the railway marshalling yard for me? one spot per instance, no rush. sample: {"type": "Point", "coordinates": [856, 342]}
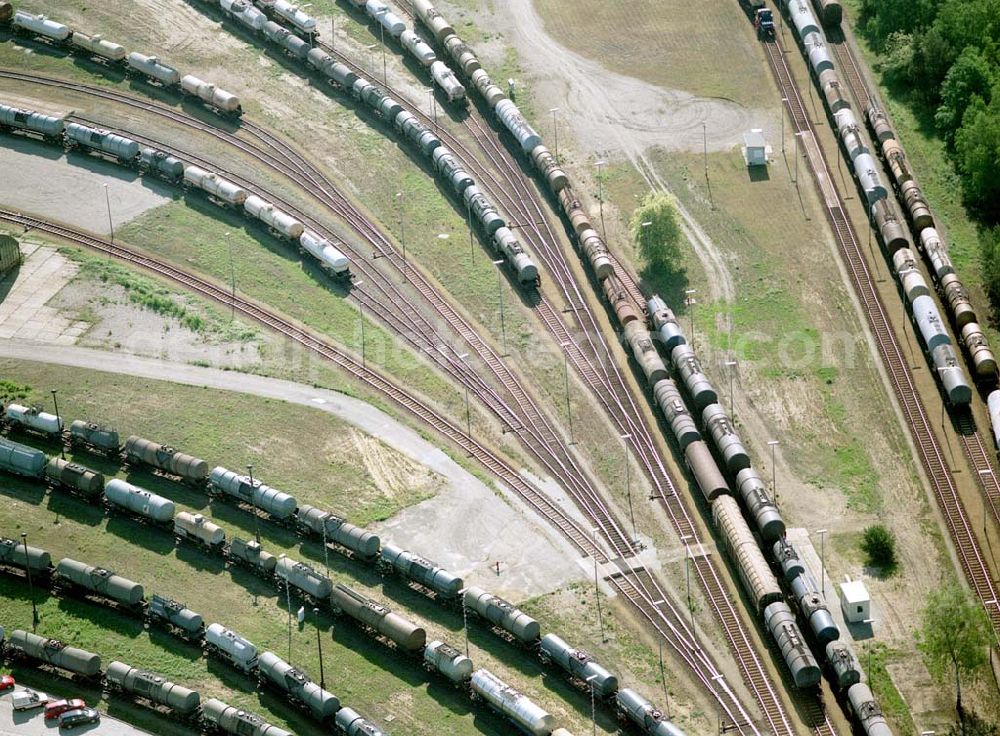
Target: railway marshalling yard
{"type": "Point", "coordinates": [435, 400]}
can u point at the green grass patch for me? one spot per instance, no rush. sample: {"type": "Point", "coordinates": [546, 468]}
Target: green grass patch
{"type": "Point", "coordinates": [874, 659]}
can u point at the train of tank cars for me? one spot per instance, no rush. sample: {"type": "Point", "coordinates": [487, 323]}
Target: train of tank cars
{"type": "Point", "coordinates": [294, 578]}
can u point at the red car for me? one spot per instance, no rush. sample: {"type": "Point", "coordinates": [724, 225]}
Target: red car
{"type": "Point", "coordinates": [57, 707]}
{"type": "Point", "coordinates": [6, 682]}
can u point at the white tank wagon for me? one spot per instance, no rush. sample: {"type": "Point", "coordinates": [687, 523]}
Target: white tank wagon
{"type": "Point", "coordinates": [74, 477]}
{"type": "Point", "coordinates": [993, 406]}
{"type": "Point", "coordinates": [161, 164]}
{"type": "Point", "coordinates": [448, 166]}
{"type": "Point", "coordinates": [867, 710]}
{"type": "Point", "coordinates": [198, 529]}
{"type": "Point", "coordinates": [812, 604]}
{"type": "Point", "coordinates": [415, 131]}
{"type": "Point", "coordinates": [219, 99]}
{"type": "Point", "coordinates": [445, 78]}
{"type": "Point", "coordinates": [276, 672]}
{"type": "Point", "coordinates": [818, 53]}
{"type": "Point", "coordinates": [505, 616]}
{"type": "Point", "coordinates": [98, 46]}
{"type": "Point", "coordinates": [49, 127]}
{"type": "Point", "coordinates": [913, 282]}
{"type": "Point", "coordinates": [122, 149]}
{"type": "Point", "coordinates": [514, 121]}
{"type": "Point", "coordinates": [695, 380]}
{"type": "Point", "coordinates": [392, 23]}
{"type": "Point", "coordinates": [417, 47]}
{"type": "Point", "coordinates": [164, 457]}
{"type": "Point", "coordinates": [39, 25]}
{"type": "Point", "coordinates": [550, 170]}
{"type": "Point", "coordinates": [639, 711]}
{"type": "Point", "coordinates": [665, 323]}
{"type": "Point", "coordinates": [273, 502]}
{"type": "Point", "coordinates": [331, 528]}
{"type": "Point", "coordinates": [33, 419]}
{"type": "Point", "coordinates": [513, 252]}
{"type": "Point", "coordinates": [330, 259]}
{"type": "Point", "coordinates": [17, 555]}
{"type": "Point", "coordinates": [780, 622]}
{"type": "Point", "coordinates": [431, 18]}
{"type": "Point", "coordinates": [645, 352]}
{"type": "Point", "coordinates": [849, 131]}
{"type": "Point", "coordinates": [352, 723]}
{"type": "Point", "coordinates": [225, 718]}
{"type": "Point", "coordinates": [152, 68]}
{"type": "Point", "coordinates": [292, 44]}
{"type": "Point", "coordinates": [138, 501]}
{"type": "Point", "coordinates": [668, 398]}
{"type": "Point", "coordinates": [844, 664]}
{"type": "Point", "coordinates": [866, 170]}
{"type": "Point", "coordinates": [983, 360]}
{"type": "Point", "coordinates": [245, 13]}
{"type": "Point", "coordinates": [295, 17]}
{"type": "Point", "coordinates": [929, 322]}
{"type": "Point", "coordinates": [20, 459]}
{"type": "Point", "coordinates": [406, 635]}
{"type": "Point", "coordinates": [483, 210]}
{"type": "Point", "coordinates": [951, 374]}
{"type": "Point", "coordinates": [579, 664]}
{"type": "Point", "coordinates": [758, 580]}
{"type": "Point", "coordinates": [766, 516]}
{"type": "Point", "coordinates": [175, 616]}
{"type": "Point", "coordinates": [278, 221]}
{"type": "Point", "coordinates": [95, 437]}
{"type": "Point", "coordinates": [303, 578]}
{"type": "Point", "coordinates": [802, 17]}
{"type": "Point", "coordinates": [511, 704]}
{"type": "Point", "coordinates": [936, 253]}
{"type": "Point", "coordinates": [230, 647]}
{"type": "Point", "coordinates": [422, 571]}
{"type": "Point", "coordinates": [448, 661]}
{"type": "Point", "coordinates": [99, 582]}
{"type": "Point", "coordinates": [725, 439]}
{"type": "Point", "coordinates": [53, 653]}
{"type": "Point", "coordinates": [152, 687]}
{"type": "Point", "coordinates": [319, 60]}
{"type": "Point", "coordinates": [251, 554]}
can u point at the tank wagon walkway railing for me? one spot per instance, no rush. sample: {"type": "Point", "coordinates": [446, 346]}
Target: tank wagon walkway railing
{"type": "Point", "coordinates": [928, 447]}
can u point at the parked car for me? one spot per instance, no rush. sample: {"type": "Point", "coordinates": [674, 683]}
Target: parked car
{"type": "Point", "coordinates": [27, 699]}
{"type": "Point", "coordinates": [57, 707]}
{"type": "Point", "coordinates": [79, 717]}
{"type": "Point", "coordinates": [6, 683]}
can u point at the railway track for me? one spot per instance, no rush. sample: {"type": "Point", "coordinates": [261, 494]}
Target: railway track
{"type": "Point", "coordinates": [928, 447]}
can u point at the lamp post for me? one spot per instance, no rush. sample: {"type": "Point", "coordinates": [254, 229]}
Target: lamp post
{"type": "Point", "coordinates": [472, 245]}
{"type": "Point", "coordinates": [597, 589]}
{"type": "Point", "coordinates": [593, 707]}
{"type": "Point", "coordinates": [253, 504]}
{"type": "Point", "coordinates": [371, 58]}
{"type": "Point", "coordinates": [600, 197]}
{"type": "Point", "coordinates": [628, 484]}
{"type": "Point", "coordinates": [288, 605]}
{"type": "Point", "coordinates": [31, 587]}
{"type": "Point", "coordinates": [689, 302]}
{"type": "Point", "coordinates": [385, 74]}
{"type": "Point", "coordinates": [731, 365]}
{"type": "Point", "coordinates": [503, 322]}
{"type": "Point", "coordinates": [432, 103]}
{"type": "Point", "coordinates": [983, 474]}
{"type": "Point", "coordinates": [232, 279]}
{"type": "Point", "coordinates": [569, 408]}
{"type": "Point", "coordinates": [361, 320]}
{"type": "Point", "coordinates": [555, 130]}
{"type": "Point", "coordinates": [465, 625]}
{"type": "Point", "coordinates": [55, 404]}
{"type": "Point", "coordinates": [687, 576]}
{"type": "Point", "coordinates": [402, 230]}
{"type": "Point", "coordinates": [822, 560]}
{"type": "Point", "coordinates": [468, 410]}
{"type": "Point", "coordinates": [111, 225]}
{"type": "Point", "coordinates": [663, 673]}
{"type": "Point", "coordinates": [319, 646]}
{"type": "Point", "coordinates": [774, 471]}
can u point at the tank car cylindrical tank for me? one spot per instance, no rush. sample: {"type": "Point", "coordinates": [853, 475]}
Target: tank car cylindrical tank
{"type": "Point", "coordinates": [417, 47]}
{"type": "Point", "coordinates": [447, 660]}
{"type": "Point", "coordinates": [334, 529]}
{"type": "Point", "coordinates": [642, 713]}
{"type": "Point", "coordinates": [705, 470]}
{"type": "Point", "coordinates": [913, 282]}
{"type": "Point", "coordinates": [867, 710]}
{"type": "Point", "coordinates": [75, 477]}
{"type": "Point", "coordinates": [40, 25]}
{"type": "Point", "coordinates": [725, 439]}
{"type": "Point", "coordinates": [694, 378]}
{"type": "Point", "coordinates": [152, 67]}
{"type": "Point", "coordinates": [230, 646]}
{"type": "Point", "coordinates": [850, 133]}
{"type": "Point", "coordinates": [392, 23]}
{"type": "Point", "coordinates": [218, 98]}
{"type": "Point", "coordinates": [890, 226]}
{"type": "Point", "coordinates": [445, 78]}
{"type": "Point", "coordinates": [483, 210]}
{"type": "Point", "coordinates": [765, 514]}
{"type": "Point", "coordinates": [449, 167]}
{"type": "Point", "coordinates": [101, 581]}
{"type": "Point", "coordinates": [237, 721]}
{"type": "Point", "coordinates": [199, 529]}
{"type": "Point", "coordinates": [215, 186]}
{"type": "Point", "coordinates": [619, 300]}
{"type": "Point", "coordinates": [296, 17]}
{"type": "Point", "coordinates": [330, 259]}
{"type": "Point", "coordinates": [246, 14]}
{"type": "Point", "coordinates": [802, 17]}
{"type": "Point", "coordinates": [871, 182]}
{"type": "Point", "coordinates": [957, 299]}
{"type": "Point", "coordinates": [6, 11]}
{"type": "Point", "coordinates": [162, 164]}
{"type": "Point", "coordinates": [273, 502]}
{"type": "Point", "coordinates": [570, 204]}
{"type": "Point", "coordinates": [49, 127]}
{"type": "Point", "coordinates": [351, 723]}
{"type": "Point", "coordinates": [758, 580]}
{"type": "Point", "coordinates": [549, 168]}
{"type": "Point", "coordinates": [819, 55]}
{"type": "Point", "coordinates": [406, 635]}
{"type": "Point", "coordinates": [55, 653]}
{"type": "Point", "coordinates": [502, 614]}
{"type": "Point", "coordinates": [916, 205]}
{"type": "Point", "coordinates": [165, 457]}
{"type": "Point", "coordinates": [417, 132]}
{"type": "Point", "coordinates": [879, 123]}
{"type": "Point", "coordinates": [16, 554]}
{"type": "Point", "coordinates": [668, 398]}
{"type": "Point", "coordinates": [928, 319]}
{"type": "Point", "coordinates": [33, 419]}
{"type": "Point", "coordinates": [993, 406]}
{"type": "Point", "coordinates": [292, 44]}
{"type": "Point", "coordinates": [830, 12]}
{"type": "Point", "coordinates": [431, 18]}
{"type": "Point", "coordinates": [788, 559]}
{"type": "Point", "coordinates": [844, 663]}
{"type": "Point", "coordinates": [514, 121]}
{"type": "Point", "coordinates": [645, 352]}
{"type": "Point", "coordinates": [489, 91]}
{"type": "Point", "coordinates": [322, 704]}
{"type": "Point", "coordinates": [781, 624]}
{"type": "Point", "coordinates": [277, 220]}
{"type": "Point", "coordinates": [983, 360]}
{"type": "Point", "coordinates": [511, 704]}
{"type": "Point", "coordinates": [21, 460]}
{"type": "Point", "coordinates": [950, 373]}
{"type": "Point", "coordinates": [899, 167]}
{"type": "Point", "coordinates": [814, 610]}
{"type": "Point", "coordinates": [139, 501]}
{"type": "Point", "coordinates": [524, 267]}
{"type": "Point", "coordinates": [251, 554]}
{"type": "Point", "coordinates": [936, 252]}
{"type": "Point", "coordinates": [596, 252]}
{"type": "Point", "coordinates": [422, 571]}
{"type": "Point", "coordinates": [94, 435]}
{"type": "Point", "coordinates": [169, 612]}
{"type": "Point", "coordinates": [302, 577]}
{"type": "Point", "coordinates": [665, 323]}
{"type": "Point", "coordinates": [122, 148]}
{"type": "Point", "coordinates": [153, 687]}
{"type": "Point", "coordinates": [579, 664]}
{"type": "Point", "coordinates": [98, 46]}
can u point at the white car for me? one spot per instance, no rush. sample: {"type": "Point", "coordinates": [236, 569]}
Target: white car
{"type": "Point", "coordinates": [28, 699]}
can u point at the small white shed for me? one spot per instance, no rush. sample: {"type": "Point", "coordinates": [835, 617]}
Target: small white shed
{"type": "Point", "coordinates": [755, 148]}
{"type": "Point", "coordinates": [855, 601]}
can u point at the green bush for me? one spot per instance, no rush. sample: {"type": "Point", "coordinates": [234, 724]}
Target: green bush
{"type": "Point", "coordinates": [879, 545]}
{"type": "Point", "coordinates": [659, 240]}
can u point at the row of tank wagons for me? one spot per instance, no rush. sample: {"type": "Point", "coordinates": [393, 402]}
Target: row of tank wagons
{"type": "Point", "coordinates": [441, 74]}
{"type": "Point", "coordinates": [457, 179]}
{"type": "Point", "coordinates": [926, 315]}
{"type": "Point", "coordinates": [147, 160]}
{"type": "Point", "coordinates": [150, 67]}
